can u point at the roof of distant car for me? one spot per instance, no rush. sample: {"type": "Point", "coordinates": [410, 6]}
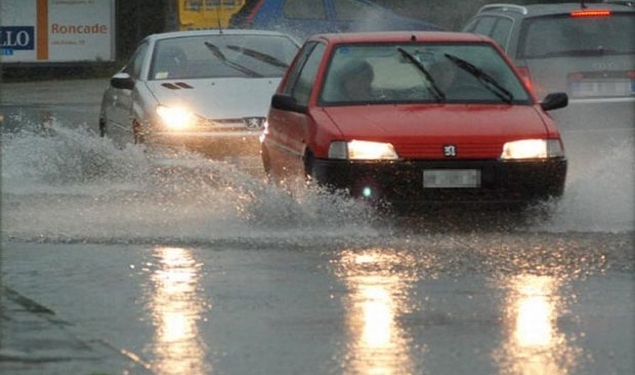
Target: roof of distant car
{"type": "Point", "coordinates": [404, 36]}
{"type": "Point", "coordinates": [549, 9]}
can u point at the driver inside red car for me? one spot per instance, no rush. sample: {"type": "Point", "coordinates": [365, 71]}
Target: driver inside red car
{"type": "Point", "coordinates": [355, 80]}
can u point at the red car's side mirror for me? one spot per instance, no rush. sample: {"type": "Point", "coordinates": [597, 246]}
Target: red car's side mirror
{"type": "Point", "coordinates": [554, 100]}
{"type": "Point", "coordinates": [286, 102]}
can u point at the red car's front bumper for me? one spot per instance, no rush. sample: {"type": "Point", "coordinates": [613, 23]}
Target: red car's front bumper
{"type": "Point", "coordinates": [402, 181]}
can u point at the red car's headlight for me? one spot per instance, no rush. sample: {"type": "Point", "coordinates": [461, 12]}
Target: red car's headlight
{"type": "Point", "coordinates": [362, 150]}
{"type": "Point", "coordinates": [532, 149]}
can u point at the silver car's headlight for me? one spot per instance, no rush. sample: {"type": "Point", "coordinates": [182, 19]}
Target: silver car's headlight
{"type": "Point", "coordinates": [532, 149]}
{"type": "Point", "coordinates": [362, 150]}
{"type": "Point", "coordinates": [176, 118]}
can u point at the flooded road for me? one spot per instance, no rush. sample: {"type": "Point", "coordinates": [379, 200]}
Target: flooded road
{"type": "Point", "coordinates": [185, 265]}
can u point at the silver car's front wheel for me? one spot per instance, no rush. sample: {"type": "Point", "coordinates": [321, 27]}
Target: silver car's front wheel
{"type": "Point", "coordinates": [137, 132]}
{"type": "Point", "coordinates": [102, 127]}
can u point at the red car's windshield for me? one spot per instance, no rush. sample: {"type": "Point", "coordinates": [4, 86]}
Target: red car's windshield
{"type": "Point", "coordinates": [420, 72]}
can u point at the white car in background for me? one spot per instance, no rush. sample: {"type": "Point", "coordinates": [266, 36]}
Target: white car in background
{"type": "Point", "coordinates": [205, 89]}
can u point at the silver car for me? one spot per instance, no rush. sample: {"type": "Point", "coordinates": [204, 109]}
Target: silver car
{"type": "Point", "coordinates": [584, 49]}
{"type": "Point", "coordinates": [205, 89]}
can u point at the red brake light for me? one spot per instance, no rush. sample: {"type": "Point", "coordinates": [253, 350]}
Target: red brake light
{"type": "Point", "coordinates": [526, 76]}
{"type": "Point", "coordinates": [591, 13]}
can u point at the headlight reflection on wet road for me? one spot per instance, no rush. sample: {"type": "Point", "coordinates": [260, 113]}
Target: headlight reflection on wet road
{"type": "Point", "coordinates": [176, 309]}
{"type": "Point", "coordinates": [377, 298]}
{"type": "Point", "coordinates": [533, 343]}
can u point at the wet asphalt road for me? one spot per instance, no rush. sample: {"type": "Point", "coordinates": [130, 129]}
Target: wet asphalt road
{"type": "Point", "coordinates": [298, 310]}
{"type": "Point", "coordinates": [202, 292]}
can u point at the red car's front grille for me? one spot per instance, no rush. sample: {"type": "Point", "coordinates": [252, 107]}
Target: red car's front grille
{"type": "Point", "coordinates": [440, 150]}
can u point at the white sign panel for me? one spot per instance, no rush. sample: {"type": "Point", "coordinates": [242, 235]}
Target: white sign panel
{"type": "Point", "coordinates": [57, 30]}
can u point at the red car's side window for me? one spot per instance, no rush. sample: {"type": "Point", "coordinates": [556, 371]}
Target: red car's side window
{"type": "Point", "coordinates": [302, 74]}
{"type": "Point", "coordinates": [296, 66]}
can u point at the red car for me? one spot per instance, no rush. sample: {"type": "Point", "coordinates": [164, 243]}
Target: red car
{"type": "Point", "coordinates": [413, 117]}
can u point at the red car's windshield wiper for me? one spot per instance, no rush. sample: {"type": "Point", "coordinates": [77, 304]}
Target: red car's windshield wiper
{"type": "Point", "coordinates": [485, 79]}
{"type": "Point", "coordinates": [433, 89]}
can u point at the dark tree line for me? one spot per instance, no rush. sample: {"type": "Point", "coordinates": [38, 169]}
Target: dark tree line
{"type": "Point", "coordinates": [138, 18]}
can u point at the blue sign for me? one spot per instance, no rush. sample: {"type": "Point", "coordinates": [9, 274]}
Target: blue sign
{"type": "Point", "coordinates": [17, 38]}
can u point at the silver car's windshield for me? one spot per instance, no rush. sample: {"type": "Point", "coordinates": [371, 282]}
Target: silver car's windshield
{"type": "Point", "coordinates": [420, 72]}
{"type": "Point", "coordinates": [221, 56]}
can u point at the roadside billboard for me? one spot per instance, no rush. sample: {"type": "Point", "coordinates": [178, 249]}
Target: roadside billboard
{"type": "Point", "coordinates": [52, 31]}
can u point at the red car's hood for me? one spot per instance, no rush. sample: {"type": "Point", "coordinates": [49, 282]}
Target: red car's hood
{"type": "Point", "coordinates": [412, 127]}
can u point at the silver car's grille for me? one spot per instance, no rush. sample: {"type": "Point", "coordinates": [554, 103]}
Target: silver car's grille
{"type": "Point", "coordinates": [255, 124]}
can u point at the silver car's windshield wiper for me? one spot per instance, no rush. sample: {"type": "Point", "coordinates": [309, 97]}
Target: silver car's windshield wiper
{"type": "Point", "coordinates": [485, 79]}
{"type": "Point", "coordinates": [433, 89]}
{"type": "Point", "coordinates": [221, 56]}
{"type": "Point", "coordinates": [260, 56]}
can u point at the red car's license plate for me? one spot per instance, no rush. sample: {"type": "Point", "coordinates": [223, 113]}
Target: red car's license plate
{"type": "Point", "coordinates": [451, 178]}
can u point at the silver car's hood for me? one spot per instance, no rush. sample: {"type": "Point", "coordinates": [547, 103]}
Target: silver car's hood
{"type": "Point", "coordinates": [218, 98]}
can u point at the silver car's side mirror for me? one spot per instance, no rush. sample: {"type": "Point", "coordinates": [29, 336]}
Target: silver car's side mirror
{"type": "Point", "coordinates": [122, 80]}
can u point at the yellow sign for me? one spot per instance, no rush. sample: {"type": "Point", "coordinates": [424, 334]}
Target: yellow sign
{"type": "Point", "coordinates": [206, 14]}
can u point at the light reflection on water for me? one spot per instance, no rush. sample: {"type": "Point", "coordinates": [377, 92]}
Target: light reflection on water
{"type": "Point", "coordinates": [533, 343]}
{"type": "Point", "coordinates": [176, 309]}
{"type": "Point", "coordinates": [377, 297]}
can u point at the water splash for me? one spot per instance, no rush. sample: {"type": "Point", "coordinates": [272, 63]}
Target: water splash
{"type": "Point", "coordinates": [601, 197]}
{"type": "Point", "coordinates": [71, 185]}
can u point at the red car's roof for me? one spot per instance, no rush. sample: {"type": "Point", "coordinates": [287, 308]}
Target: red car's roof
{"type": "Point", "coordinates": [399, 36]}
